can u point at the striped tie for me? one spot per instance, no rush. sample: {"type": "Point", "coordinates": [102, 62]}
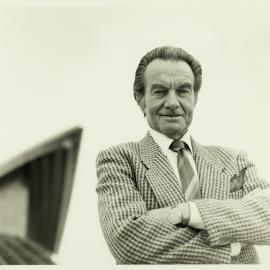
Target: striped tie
{"type": "Point", "coordinates": [188, 177]}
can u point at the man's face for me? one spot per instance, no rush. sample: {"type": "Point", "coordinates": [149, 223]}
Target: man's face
{"type": "Point", "coordinates": [169, 98]}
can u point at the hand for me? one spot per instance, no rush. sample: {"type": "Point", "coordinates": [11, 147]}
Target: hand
{"type": "Point", "coordinates": [185, 212]}
{"type": "Point", "coordinates": [160, 214]}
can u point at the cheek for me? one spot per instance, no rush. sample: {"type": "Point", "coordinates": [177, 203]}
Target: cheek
{"type": "Point", "coordinates": [152, 113]}
{"type": "Point", "coordinates": [152, 106]}
{"type": "Point", "coordinates": [188, 106]}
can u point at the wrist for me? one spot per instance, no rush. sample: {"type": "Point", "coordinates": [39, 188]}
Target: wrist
{"type": "Point", "coordinates": [185, 209]}
{"type": "Point", "coordinates": [180, 214]}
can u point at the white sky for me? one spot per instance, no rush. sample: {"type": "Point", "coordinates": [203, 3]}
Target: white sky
{"type": "Point", "coordinates": [64, 66]}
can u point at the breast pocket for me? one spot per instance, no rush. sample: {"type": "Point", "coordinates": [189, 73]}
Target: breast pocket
{"type": "Point", "coordinates": [237, 195]}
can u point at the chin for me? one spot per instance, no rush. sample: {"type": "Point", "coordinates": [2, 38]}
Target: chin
{"type": "Point", "coordinates": [172, 132]}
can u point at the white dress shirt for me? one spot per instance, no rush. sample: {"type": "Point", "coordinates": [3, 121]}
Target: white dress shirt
{"type": "Point", "coordinates": [164, 143]}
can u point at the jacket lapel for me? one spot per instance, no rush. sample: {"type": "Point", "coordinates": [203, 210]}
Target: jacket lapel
{"type": "Point", "coordinates": [160, 175]}
{"type": "Point", "coordinates": [213, 177]}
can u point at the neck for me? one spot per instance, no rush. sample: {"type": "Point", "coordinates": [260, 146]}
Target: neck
{"type": "Point", "coordinates": [177, 136]}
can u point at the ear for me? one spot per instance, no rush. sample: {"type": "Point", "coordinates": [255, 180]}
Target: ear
{"type": "Point", "coordinates": [196, 97]}
{"type": "Point", "coordinates": [141, 102]}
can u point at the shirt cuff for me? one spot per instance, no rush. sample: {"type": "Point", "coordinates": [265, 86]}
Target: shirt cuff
{"type": "Point", "coordinates": [235, 248]}
{"type": "Point", "coordinates": [195, 220]}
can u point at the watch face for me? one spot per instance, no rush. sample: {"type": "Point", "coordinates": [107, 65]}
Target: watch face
{"type": "Point", "coordinates": [175, 216]}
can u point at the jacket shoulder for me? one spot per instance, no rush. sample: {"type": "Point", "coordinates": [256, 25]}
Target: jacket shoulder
{"type": "Point", "coordinates": [217, 152]}
{"type": "Point", "coordinates": [228, 156]}
{"type": "Point", "coordinates": [119, 151]}
{"type": "Point", "coordinates": [223, 151]}
{"type": "Point", "coordinates": [123, 147]}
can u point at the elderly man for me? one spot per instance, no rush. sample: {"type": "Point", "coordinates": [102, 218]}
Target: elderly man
{"type": "Point", "coordinates": [168, 199]}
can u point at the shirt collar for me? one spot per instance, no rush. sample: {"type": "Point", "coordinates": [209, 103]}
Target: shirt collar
{"type": "Point", "coordinates": [164, 142]}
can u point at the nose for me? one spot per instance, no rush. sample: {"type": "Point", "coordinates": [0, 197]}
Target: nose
{"type": "Point", "coordinates": [171, 100]}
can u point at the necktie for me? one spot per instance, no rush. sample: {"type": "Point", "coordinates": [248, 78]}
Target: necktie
{"type": "Point", "coordinates": [188, 177]}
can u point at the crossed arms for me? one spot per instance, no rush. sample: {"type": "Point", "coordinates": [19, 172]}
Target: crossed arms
{"type": "Point", "coordinates": [134, 236]}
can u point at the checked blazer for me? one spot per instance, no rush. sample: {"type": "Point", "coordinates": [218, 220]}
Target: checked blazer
{"type": "Point", "coordinates": [136, 177]}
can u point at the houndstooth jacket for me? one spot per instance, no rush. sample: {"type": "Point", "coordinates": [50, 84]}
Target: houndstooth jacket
{"type": "Point", "coordinates": [136, 177]}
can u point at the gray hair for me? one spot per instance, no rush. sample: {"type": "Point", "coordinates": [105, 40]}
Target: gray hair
{"type": "Point", "coordinates": [165, 53]}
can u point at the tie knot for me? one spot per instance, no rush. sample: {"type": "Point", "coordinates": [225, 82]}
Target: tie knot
{"type": "Point", "coordinates": [177, 145]}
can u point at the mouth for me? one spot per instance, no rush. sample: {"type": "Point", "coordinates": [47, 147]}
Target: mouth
{"type": "Point", "coordinates": [170, 115]}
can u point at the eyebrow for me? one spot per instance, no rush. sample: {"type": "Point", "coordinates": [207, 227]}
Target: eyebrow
{"type": "Point", "coordinates": [158, 85]}
{"type": "Point", "coordinates": [185, 84]}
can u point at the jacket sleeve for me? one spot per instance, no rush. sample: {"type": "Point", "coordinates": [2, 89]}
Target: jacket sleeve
{"type": "Point", "coordinates": [246, 220]}
{"type": "Point", "coordinates": [132, 236]}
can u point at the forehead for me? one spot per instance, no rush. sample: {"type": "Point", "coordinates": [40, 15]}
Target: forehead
{"type": "Point", "coordinates": [163, 70]}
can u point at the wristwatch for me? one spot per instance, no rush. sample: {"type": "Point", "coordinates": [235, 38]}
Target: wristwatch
{"type": "Point", "coordinates": [177, 216]}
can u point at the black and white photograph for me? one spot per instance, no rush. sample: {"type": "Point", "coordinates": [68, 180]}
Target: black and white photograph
{"type": "Point", "coordinates": [134, 133]}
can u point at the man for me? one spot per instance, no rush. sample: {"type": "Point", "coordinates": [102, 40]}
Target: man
{"type": "Point", "coordinates": [168, 199]}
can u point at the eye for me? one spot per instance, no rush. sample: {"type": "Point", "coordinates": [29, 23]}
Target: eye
{"type": "Point", "coordinates": [159, 91]}
{"type": "Point", "coordinates": [183, 91]}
